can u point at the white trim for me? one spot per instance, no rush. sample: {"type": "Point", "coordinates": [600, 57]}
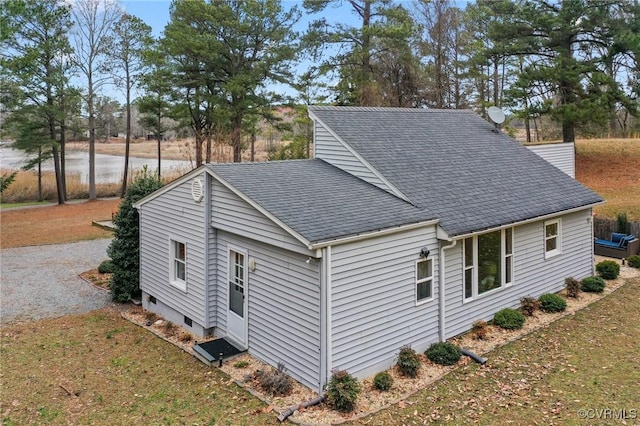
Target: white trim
{"type": "Point", "coordinates": [373, 234]}
{"type": "Point", "coordinates": [524, 222]}
{"type": "Point", "coordinates": [329, 346]}
{"type": "Point", "coordinates": [394, 190]}
{"type": "Point", "coordinates": [423, 280]}
{"type": "Point", "coordinates": [173, 280]}
{"type": "Point", "coordinates": [241, 340]}
{"type": "Point", "coordinates": [441, 292]}
{"type": "Point", "coordinates": [548, 254]}
{"type": "Point", "coordinates": [475, 294]}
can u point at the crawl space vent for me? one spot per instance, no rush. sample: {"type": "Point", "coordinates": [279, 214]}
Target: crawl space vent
{"type": "Point", "coordinates": [197, 191]}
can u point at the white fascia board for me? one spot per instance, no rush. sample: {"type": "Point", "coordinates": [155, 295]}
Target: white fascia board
{"type": "Point", "coordinates": [259, 208]}
{"type": "Point", "coordinates": [373, 170]}
{"type": "Point", "coordinates": [374, 234]}
{"type": "Point", "coordinates": [524, 222]}
{"type": "Point", "coordinates": [169, 186]}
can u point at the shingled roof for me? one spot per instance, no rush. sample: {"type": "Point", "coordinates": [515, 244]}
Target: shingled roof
{"type": "Point", "coordinates": [317, 200]}
{"type": "Point", "coordinates": [454, 166]}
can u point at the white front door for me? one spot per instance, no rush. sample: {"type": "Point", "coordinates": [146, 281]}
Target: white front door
{"type": "Point", "coordinates": [237, 304]}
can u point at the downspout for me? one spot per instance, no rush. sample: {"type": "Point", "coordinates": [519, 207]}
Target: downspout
{"type": "Point", "coordinates": [207, 242]}
{"type": "Point", "coordinates": [441, 286]}
{"type": "Point", "coordinates": [325, 318]}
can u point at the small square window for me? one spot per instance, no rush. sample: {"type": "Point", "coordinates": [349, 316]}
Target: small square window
{"type": "Point", "coordinates": [552, 238]}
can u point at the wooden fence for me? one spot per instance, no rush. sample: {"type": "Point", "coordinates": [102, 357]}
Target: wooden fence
{"type": "Point", "coordinates": [602, 228]}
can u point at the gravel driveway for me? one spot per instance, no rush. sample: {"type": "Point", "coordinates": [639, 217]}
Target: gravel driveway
{"type": "Point", "coordinates": [42, 281]}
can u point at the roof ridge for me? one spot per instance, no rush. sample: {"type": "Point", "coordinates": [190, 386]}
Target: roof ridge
{"type": "Point", "coordinates": [390, 109]}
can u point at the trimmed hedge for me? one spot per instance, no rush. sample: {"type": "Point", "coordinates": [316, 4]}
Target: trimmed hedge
{"type": "Point", "coordinates": [608, 269]}
{"type": "Point", "coordinates": [383, 381]}
{"type": "Point", "coordinates": [443, 353]}
{"type": "Point", "coordinates": [593, 285]}
{"type": "Point", "coordinates": [509, 319]}
{"type": "Point", "coordinates": [552, 303]}
{"type": "Point", "coordinates": [634, 261]}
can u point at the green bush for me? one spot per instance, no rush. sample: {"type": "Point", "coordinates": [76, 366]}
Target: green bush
{"type": "Point", "coordinates": [552, 303]}
{"type": "Point", "coordinates": [634, 261]}
{"type": "Point", "coordinates": [383, 381]}
{"type": "Point", "coordinates": [593, 285]}
{"type": "Point", "coordinates": [529, 305]}
{"type": "Point", "coordinates": [124, 250]}
{"type": "Point", "coordinates": [408, 362]}
{"type": "Point", "coordinates": [509, 319]}
{"type": "Point", "coordinates": [608, 269]}
{"type": "Point", "coordinates": [572, 287]}
{"type": "Point", "coordinates": [342, 391]}
{"type": "Point", "coordinates": [106, 267]}
{"type": "Point", "coordinates": [443, 353]}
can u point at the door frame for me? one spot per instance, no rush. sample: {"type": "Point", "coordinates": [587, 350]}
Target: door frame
{"type": "Point", "coordinates": [244, 339]}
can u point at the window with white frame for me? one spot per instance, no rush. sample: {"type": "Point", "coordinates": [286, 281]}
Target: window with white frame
{"type": "Point", "coordinates": [424, 280]}
{"type": "Point", "coordinates": [552, 238]}
{"type": "Point", "coordinates": [488, 262]}
{"type": "Point", "coordinates": [179, 264]}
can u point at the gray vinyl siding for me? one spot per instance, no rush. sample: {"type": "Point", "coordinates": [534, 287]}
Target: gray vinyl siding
{"type": "Point", "coordinates": [174, 215]}
{"type": "Point", "coordinates": [561, 155]}
{"type": "Point", "coordinates": [329, 149]}
{"type": "Point", "coordinates": [284, 306]}
{"type": "Point", "coordinates": [232, 214]}
{"type": "Point", "coordinates": [373, 309]}
{"type": "Point", "coordinates": [533, 275]}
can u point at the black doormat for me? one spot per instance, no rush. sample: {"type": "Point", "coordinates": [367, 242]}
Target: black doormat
{"type": "Point", "coordinates": [219, 346]}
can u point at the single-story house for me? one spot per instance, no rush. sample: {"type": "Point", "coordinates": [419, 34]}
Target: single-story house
{"type": "Point", "coordinates": [407, 226]}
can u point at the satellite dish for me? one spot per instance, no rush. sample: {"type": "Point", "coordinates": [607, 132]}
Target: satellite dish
{"type": "Point", "coordinates": [496, 115]}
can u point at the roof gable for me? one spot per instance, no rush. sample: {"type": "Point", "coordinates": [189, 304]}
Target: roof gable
{"type": "Point", "coordinates": [452, 164]}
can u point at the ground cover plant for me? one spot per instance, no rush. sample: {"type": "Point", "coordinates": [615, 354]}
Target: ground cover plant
{"type": "Point", "coordinates": [383, 381]}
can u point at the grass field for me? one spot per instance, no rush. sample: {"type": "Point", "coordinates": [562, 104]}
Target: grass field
{"type": "Point", "coordinates": [100, 369]}
{"type": "Point", "coordinates": [611, 167]}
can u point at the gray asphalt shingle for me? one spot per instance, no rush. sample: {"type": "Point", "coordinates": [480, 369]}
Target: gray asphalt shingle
{"type": "Point", "coordinates": [318, 200]}
{"type": "Point", "coordinates": [453, 165]}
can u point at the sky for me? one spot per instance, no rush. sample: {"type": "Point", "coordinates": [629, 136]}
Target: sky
{"type": "Point", "coordinates": [155, 13]}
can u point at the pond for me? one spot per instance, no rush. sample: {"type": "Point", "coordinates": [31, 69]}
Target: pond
{"type": "Point", "coordinates": [109, 168]}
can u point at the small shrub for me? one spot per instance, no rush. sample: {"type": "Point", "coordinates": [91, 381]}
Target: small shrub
{"type": "Point", "coordinates": [106, 267]}
{"type": "Point", "coordinates": [275, 382]}
{"type": "Point", "coordinates": [241, 364]}
{"type": "Point", "coordinates": [572, 287]}
{"type": "Point", "coordinates": [383, 381]}
{"type": "Point", "coordinates": [634, 261]}
{"type": "Point", "coordinates": [552, 303]}
{"type": "Point", "coordinates": [150, 316]}
{"type": "Point", "coordinates": [509, 319]}
{"type": "Point", "coordinates": [622, 222]}
{"type": "Point", "coordinates": [443, 353]}
{"type": "Point", "coordinates": [608, 269]}
{"type": "Point", "coordinates": [593, 285]}
{"type": "Point", "coordinates": [408, 362]}
{"type": "Point", "coordinates": [479, 330]}
{"type": "Point", "coordinates": [528, 305]}
{"type": "Point", "coordinates": [342, 391]}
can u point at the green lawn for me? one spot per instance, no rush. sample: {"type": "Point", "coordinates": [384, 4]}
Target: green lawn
{"type": "Point", "coordinates": [120, 374]}
{"type": "Point", "coordinates": [26, 204]}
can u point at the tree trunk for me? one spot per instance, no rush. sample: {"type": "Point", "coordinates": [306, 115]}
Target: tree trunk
{"type": "Point", "coordinates": [236, 141]}
{"type": "Point", "coordinates": [253, 145]}
{"type": "Point", "coordinates": [63, 142]}
{"type": "Point", "coordinates": [92, 141]}
{"type": "Point", "coordinates": [39, 174]}
{"type": "Point", "coordinates": [159, 137]}
{"type": "Point", "coordinates": [127, 141]}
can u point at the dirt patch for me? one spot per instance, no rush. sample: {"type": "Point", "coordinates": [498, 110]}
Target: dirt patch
{"type": "Point", "coordinates": [55, 224]}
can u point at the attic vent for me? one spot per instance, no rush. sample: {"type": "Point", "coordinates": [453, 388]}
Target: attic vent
{"type": "Point", "coordinates": [197, 191]}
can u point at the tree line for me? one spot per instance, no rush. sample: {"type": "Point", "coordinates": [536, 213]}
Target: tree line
{"type": "Point", "coordinates": [219, 66]}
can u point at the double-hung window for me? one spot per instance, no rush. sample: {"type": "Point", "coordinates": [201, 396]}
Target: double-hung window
{"type": "Point", "coordinates": [179, 265]}
{"type": "Point", "coordinates": [552, 238]}
{"type": "Point", "coordinates": [424, 280]}
{"type": "Point", "coordinates": [488, 262]}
